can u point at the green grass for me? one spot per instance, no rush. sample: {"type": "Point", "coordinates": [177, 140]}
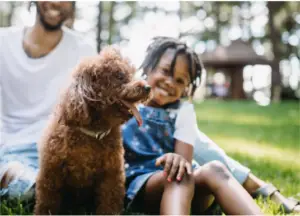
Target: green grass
{"type": "Point", "coordinates": [266, 139]}
{"type": "Point", "coordinates": [15, 207]}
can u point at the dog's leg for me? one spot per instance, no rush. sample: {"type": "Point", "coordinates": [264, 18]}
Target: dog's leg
{"type": "Point", "coordinates": [48, 190]}
{"type": "Point", "coordinates": [110, 193]}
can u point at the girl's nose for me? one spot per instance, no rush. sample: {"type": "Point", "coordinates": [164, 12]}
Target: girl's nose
{"type": "Point", "coordinates": [170, 82]}
{"type": "Point", "coordinates": [170, 85]}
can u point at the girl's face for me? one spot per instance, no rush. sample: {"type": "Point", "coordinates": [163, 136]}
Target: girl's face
{"type": "Point", "coordinates": [165, 87]}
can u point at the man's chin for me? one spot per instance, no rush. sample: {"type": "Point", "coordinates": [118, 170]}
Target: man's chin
{"type": "Point", "coordinates": [51, 27]}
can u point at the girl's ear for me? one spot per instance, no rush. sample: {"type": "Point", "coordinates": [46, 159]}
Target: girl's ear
{"type": "Point", "coordinates": [187, 92]}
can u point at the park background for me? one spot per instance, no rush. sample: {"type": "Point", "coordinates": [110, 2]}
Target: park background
{"type": "Point", "coordinates": [249, 104]}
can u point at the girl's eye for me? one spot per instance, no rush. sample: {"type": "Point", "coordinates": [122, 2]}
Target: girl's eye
{"type": "Point", "coordinates": [179, 81]}
{"type": "Point", "coordinates": [166, 71]}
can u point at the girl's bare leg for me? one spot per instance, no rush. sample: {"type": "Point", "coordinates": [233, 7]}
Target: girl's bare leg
{"type": "Point", "coordinates": [177, 197]}
{"type": "Point", "coordinates": [231, 196]}
{"type": "Point", "coordinates": [252, 183]}
{"type": "Point", "coordinates": [203, 199]}
{"type": "Point", "coordinates": [170, 197]}
{"type": "Point", "coordinates": [212, 178]}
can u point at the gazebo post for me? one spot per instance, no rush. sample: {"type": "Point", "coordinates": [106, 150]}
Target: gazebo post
{"type": "Point", "coordinates": [237, 91]}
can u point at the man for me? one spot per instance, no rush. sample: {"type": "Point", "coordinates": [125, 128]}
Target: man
{"type": "Point", "coordinates": [35, 63]}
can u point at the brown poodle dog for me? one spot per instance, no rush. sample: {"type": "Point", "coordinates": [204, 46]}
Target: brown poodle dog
{"type": "Point", "coordinates": [81, 153]}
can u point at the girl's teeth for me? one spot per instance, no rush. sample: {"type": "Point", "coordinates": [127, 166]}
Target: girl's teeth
{"type": "Point", "coordinates": [163, 92]}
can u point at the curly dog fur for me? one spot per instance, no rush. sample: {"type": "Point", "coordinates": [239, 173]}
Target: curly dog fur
{"type": "Point", "coordinates": [77, 170]}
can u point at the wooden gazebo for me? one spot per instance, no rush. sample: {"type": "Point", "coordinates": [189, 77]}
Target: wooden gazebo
{"type": "Point", "coordinates": [232, 59]}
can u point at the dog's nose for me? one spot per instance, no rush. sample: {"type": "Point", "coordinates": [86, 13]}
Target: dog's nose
{"type": "Point", "coordinates": [147, 88]}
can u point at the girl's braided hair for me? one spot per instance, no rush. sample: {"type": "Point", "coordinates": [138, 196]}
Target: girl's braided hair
{"type": "Point", "coordinates": [158, 47]}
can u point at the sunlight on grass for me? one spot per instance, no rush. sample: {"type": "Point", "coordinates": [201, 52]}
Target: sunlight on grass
{"type": "Point", "coordinates": [265, 139]}
{"type": "Point", "coordinates": [236, 118]}
{"type": "Point", "coordinates": [281, 157]}
{"type": "Point", "coordinates": [245, 119]}
{"type": "Point", "coordinates": [275, 125]}
{"type": "Point", "coordinates": [285, 178]}
{"type": "Point", "coordinates": [247, 112]}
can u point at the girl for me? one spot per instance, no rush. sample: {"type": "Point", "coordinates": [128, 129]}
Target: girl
{"type": "Point", "coordinates": [159, 170]}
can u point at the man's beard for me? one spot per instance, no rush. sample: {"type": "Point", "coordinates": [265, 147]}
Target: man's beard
{"type": "Point", "coordinates": [46, 25]}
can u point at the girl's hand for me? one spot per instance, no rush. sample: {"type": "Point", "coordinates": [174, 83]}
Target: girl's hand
{"type": "Point", "coordinates": [174, 165]}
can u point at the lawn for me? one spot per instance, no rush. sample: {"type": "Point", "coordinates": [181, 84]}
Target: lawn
{"type": "Point", "coordinates": [266, 139]}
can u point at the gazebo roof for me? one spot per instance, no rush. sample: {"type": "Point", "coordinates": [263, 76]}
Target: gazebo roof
{"type": "Point", "coordinates": [238, 53]}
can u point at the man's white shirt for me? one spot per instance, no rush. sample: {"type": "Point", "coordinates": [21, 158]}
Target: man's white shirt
{"type": "Point", "coordinates": [29, 87]}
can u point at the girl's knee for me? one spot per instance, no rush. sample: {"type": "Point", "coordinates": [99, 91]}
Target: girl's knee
{"type": "Point", "coordinates": [187, 185]}
{"type": "Point", "coordinates": [219, 169]}
{"type": "Point", "coordinates": [159, 182]}
{"type": "Point", "coordinates": [212, 170]}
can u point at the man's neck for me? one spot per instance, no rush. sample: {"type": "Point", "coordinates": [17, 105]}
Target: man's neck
{"type": "Point", "coordinates": [38, 42]}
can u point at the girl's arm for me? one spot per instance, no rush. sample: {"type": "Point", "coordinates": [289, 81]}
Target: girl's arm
{"type": "Point", "coordinates": [186, 131]}
{"type": "Point", "coordinates": [179, 162]}
{"type": "Point", "coordinates": [185, 150]}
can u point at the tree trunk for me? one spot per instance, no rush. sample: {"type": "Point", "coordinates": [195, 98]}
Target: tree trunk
{"type": "Point", "coordinates": [11, 13]}
{"type": "Point", "coordinates": [275, 40]}
{"type": "Point", "coordinates": [218, 23]}
{"type": "Point", "coordinates": [179, 13]}
{"type": "Point", "coordinates": [99, 25]}
{"type": "Point", "coordinates": [111, 22]}
{"type": "Point", "coordinates": [236, 86]}
{"type": "Point", "coordinates": [6, 19]}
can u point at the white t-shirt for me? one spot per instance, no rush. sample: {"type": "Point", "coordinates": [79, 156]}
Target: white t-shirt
{"type": "Point", "coordinates": [186, 127]}
{"type": "Point", "coordinates": [29, 87]}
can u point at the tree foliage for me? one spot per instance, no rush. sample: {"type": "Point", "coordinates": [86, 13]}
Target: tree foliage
{"type": "Point", "coordinates": [274, 26]}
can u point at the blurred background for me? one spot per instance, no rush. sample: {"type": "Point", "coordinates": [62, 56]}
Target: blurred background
{"type": "Point", "coordinates": [250, 50]}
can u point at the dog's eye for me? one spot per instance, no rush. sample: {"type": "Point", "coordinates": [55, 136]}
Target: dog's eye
{"type": "Point", "coordinates": [121, 76]}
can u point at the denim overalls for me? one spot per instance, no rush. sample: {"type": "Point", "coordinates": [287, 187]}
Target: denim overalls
{"type": "Point", "coordinates": [143, 145]}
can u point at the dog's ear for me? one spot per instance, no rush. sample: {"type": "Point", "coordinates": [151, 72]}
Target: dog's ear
{"type": "Point", "coordinates": [74, 109]}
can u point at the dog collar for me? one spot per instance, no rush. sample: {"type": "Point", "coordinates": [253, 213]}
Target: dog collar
{"type": "Point", "coordinates": [97, 135]}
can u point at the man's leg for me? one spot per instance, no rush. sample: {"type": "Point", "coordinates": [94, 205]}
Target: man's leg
{"type": "Point", "coordinates": [206, 151]}
{"type": "Point", "coordinates": [18, 171]}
